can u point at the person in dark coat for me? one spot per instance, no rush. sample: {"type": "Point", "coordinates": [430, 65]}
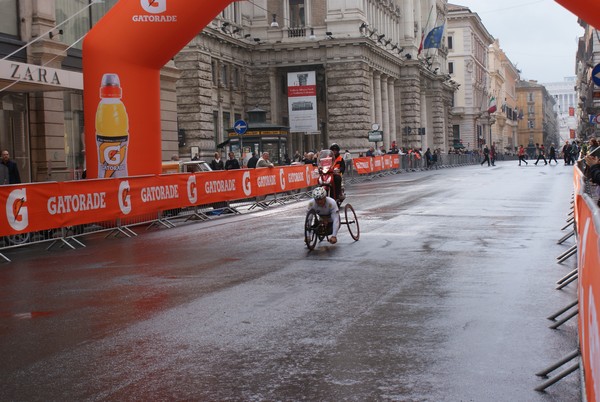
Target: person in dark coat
{"type": "Point", "coordinates": [252, 161]}
{"type": "Point", "coordinates": [11, 168]}
{"type": "Point", "coordinates": [232, 163]}
{"type": "Point", "coordinates": [217, 163]}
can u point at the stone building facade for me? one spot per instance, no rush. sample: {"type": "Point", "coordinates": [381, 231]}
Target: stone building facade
{"type": "Point", "coordinates": [503, 82]}
{"type": "Point", "coordinates": [540, 123]}
{"type": "Point", "coordinates": [468, 48]}
{"type": "Point", "coordinates": [366, 58]}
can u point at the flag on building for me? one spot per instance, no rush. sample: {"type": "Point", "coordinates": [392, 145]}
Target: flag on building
{"type": "Point", "coordinates": [421, 44]}
{"type": "Point", "coordinates": [571, 111]}
{"type": "Point", "coordinates": [492, 105]}
{"type": "Point", "coordinates": [434, 38]}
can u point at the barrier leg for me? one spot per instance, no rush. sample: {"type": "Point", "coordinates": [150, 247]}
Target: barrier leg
{"type": "Point", "coordinates": [567, 276]}
{"type": "Point", "coordinates": [565, 237]}
{"type": "Point", "coordinates": [568, 253]}
{"type": "Point", "coordinates": [565, 283]}
{"type": "Point", "coordinates": [5, 257]}
{"type": "Point", "coordinates": [562, 310]}
{"type": "Point", "coordinates": [569, 223]}
{"type": "Point", "coordinates": [559, 363]}
{"type": "Point", "coordinates": [558, 377]}
{"type": "Point", "coordinates": [567, 318]}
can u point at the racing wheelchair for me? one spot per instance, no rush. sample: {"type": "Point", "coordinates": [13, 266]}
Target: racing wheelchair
{"type": "Point", "coordinates": [316, 228]}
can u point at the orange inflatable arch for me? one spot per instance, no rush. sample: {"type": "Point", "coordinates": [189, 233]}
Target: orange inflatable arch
{"type": "Point", "coordinates": [122, 57]}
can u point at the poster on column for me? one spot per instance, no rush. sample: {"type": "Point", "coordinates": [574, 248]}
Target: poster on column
{"type": "Point", "coordinates": [302, 102]}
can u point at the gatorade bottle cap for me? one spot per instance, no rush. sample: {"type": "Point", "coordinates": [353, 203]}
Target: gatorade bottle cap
{"type": "Point", "coordinates": [111, 86]}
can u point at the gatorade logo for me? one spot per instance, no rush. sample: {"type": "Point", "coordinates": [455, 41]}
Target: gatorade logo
{"type": "Point", "coordinates": [154, 6]}
{"type": "Point", "coordinates": [124, 197]}
{"type": "Point", "coordinates": [113, 159]}
{"type": "Point", "coordinates": [282, 179]}
{"type": "Point", "coordinates": [16, 211]}
{"type": "Point", "coordinates": [246, 184]}
{"type": "Point", "coordinates": [192, 190]}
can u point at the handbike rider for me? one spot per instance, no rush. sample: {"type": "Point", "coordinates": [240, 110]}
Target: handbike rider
{"type": "Point", "coordinates": [328, 211]}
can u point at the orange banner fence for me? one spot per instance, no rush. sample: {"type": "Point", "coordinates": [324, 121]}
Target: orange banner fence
{"type": "Point", "coordinates": [43, 206]}
{"type": "Point", "coordinates": [587, 222]}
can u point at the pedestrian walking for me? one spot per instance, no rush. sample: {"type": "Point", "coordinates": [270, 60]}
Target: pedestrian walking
{"type": "Point", "coordinates": [552, 154]}
{"type": "Point", "coordinates": [521, 154]}
{"type": "Point", "coordinates": [486, 155]}
{"type": "Point", "coordinates": [539, 149]}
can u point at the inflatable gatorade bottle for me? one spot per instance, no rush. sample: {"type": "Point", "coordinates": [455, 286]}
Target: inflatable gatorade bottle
{"type": "Point", "coordinates": [112, 129]}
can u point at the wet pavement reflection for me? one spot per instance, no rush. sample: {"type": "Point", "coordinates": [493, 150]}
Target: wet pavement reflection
{"type": "Point", "coordinates": [444, 298]}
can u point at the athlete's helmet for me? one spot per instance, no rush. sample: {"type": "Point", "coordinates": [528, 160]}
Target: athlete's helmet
{"type": "Point", "coordinates": [335, 147]}
{"type": "Point", "coordinates": [319, 193]}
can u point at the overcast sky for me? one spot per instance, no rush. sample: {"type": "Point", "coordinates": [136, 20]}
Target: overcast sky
{"type": "Point", "coordinates": [538, 36]}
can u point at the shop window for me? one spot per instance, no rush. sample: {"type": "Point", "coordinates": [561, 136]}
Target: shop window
{"type": "Point", "coordinates": [74, 134]}
{"type": "Point", "coordinates": [79, 23]}
{"type": "Point", "coordinates": [216, 126]}
{"type": "Point", "coordinates": [224, 78]}
{"type": "Point", "coordinates": [9, 18]}
{"type": "Point", "coordinates": [451, 68]}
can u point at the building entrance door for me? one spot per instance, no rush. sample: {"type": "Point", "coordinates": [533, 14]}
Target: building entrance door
{"type": "Point", "coordinates": [13, 131]}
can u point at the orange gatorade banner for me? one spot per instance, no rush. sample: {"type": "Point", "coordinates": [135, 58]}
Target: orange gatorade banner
{"type": "Point", "coordinates": [363, 165]}
{"type": "Point", "coordinates": [41, 206]}
{"type": "Point", "coordinates": [589, 294]}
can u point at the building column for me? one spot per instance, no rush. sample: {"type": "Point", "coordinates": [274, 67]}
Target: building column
{"type": "Point", "coordinates": [409, 21]}
{"type": "Point", "coordinates": [392, 101]}
{"type": "Point", "coordinates": [377, 97]}
{"type": "Point", "coordinates": [274, 95]}
{"type": "Point", "coordinates": [385, 113]}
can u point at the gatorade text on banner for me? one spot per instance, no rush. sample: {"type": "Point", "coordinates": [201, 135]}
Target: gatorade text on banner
{"type": "Point", "coordinates": [112, 129]}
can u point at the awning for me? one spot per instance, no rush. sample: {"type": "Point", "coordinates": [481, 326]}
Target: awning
{"type": "Point", "coordinates": [221, 145]}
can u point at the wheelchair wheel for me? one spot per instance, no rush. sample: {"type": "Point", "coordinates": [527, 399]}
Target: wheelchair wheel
{"type": "Point", "coordinates": [310, 229]}
{"type": "Point", "coordinates": [352, 222]}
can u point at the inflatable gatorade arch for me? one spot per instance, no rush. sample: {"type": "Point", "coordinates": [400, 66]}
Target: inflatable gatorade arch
{"type": "Point", "coordinates": [122, 57]}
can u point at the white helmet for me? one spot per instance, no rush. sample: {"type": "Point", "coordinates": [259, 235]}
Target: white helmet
{"type": "Point", "coordinates": [319, 193]}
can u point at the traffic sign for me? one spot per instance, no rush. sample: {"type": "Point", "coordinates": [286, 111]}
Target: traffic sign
{"type": "Point", "coordinates": [597, 119]}
{"type": "Point", "coordinates": [375, 136]}
{"type": "Point", "coordinates": [596, 75]}
{"type": "Point", "coordinates": [240, 127]}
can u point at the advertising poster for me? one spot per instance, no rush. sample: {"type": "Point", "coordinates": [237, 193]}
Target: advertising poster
{"type": "Point", "coordinates": [302, 102]}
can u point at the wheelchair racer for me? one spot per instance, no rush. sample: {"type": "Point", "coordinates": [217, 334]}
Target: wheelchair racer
{"type": "Point", "coordinates": [328, 211]}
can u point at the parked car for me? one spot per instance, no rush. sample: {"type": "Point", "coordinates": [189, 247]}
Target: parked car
{"type": "Point", "coordinates": [185, 167]}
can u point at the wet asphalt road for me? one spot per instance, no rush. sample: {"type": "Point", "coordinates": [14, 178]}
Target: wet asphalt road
{"type": "Point", "coordinates": [444, 298]}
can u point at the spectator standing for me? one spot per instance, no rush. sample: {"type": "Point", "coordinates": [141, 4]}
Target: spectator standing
{"type": "Point", "coordinates": [217, 162]}
{"type": "Point", "coordinates": [566, 150]}
{"type": "Point", "coordinates": [286, 159]}
{"type": "Point", "coordinates": [428, 158]}
{"type": "Point", "coordinates": [297, 157]}
{"type": "Point", "coordinates": [521, 154]}
{"type": "Point", "coordinates": [370, 152]}
{"type": "Point", "coordinates": [264, 161]}
{"type": "Point", "coordinates": [9, 172]}
{"type": "Point", "coordinates": [552, 154]}
{"type": "Point", "coordinates": [252, 161]}
{"type": "Point", "coordinates": [574, 152]}
{"type": "Point", "coordinates": [232, 163]}
{"type": "Point", "coordinates": [310, 159]}
{"type": "Point", "coordinates": [486, 155]}
{"type": "Point", "coordinates": [539, 149]}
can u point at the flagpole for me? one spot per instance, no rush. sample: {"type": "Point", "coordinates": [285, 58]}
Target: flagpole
{"type": "Point", "coordinates": [423, 32]}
